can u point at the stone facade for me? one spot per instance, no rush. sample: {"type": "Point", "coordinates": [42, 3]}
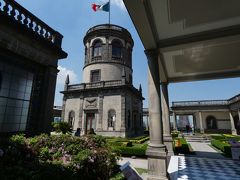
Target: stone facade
{"type": "Point", "coordinates": [29, 53]}
{"type": "Point", "coordinates": [106, 100]}
{"type": "Point", "coordinates": [212, 116]}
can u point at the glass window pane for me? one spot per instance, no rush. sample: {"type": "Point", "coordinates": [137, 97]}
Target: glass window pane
{"type": "Point", "coordinates": [22, 127]}
{"type": "Point", "coordinates": [24, 111]}
{"type": "Point", "coordinates": [4, 92]}
{"type": "Point", "coordinates": [23, 119]}
{"type": "Point", "coordinates": [3, 101]}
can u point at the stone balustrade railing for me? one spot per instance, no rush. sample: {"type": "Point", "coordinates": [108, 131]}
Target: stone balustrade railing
{"type": "Point", "coordinates": [99, 84]}
{"type": "Point", "coordinates": [17, 13]}
{"type": "Point", "coordinates": [234, 99]}
{"type": "Point", "coordinates": [200, 103]}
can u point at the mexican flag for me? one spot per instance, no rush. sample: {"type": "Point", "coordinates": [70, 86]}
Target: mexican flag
{"type": "Point", "coordinates": [103, 7]}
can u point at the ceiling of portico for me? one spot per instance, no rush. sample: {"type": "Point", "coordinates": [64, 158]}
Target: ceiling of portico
{"type": "Point", "coordinates": [196, 39]}
{"type": "Point", "coordinates": [176, 18]}
{"type": "Point", "coordinates": [215, 58]}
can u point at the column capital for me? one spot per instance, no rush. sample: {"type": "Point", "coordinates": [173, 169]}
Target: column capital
{"type": "Point", "coordinates": [151, 53]}
{"type": "Point", "coordinates": [164, 83]}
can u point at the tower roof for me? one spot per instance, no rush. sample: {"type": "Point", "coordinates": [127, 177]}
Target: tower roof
{"type": "Point", "coordinates": [108, 30]}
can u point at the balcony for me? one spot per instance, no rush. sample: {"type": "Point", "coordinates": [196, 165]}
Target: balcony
{"type": "Point", "coordinates": [94, 85]}
{"type": "Point", "coordinates": [200, 103]}
{"type": "Point", "coordinates": [19, 15]}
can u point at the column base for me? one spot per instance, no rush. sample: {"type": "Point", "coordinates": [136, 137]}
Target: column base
{"type": "Point", "coordinates": [202, 131]}
{"type": "Point", "coordinates": [168, 142]}
{"type": "Point", "coordinates": [157, 162]}
{"type": "Point", "coordinates": [234, 132]}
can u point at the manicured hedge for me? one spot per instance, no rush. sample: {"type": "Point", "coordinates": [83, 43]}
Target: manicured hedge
{"type": "Point", "coordinates": [183, 148]}
{"type": "Point", "coordinates": [223, 146]}
{"type": "Point", "coordinates": [120, 143]}
{"type": "Point", "coordinates": [140, 140]}
{"type": "Point", "coordinates": [139, 151]}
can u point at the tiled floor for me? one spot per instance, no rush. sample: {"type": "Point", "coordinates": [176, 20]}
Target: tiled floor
{"type": "Point", "coordinates": [196, 168]}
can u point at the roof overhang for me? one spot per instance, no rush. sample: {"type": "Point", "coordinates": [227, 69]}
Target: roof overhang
{"type": "Point", "coordinates": [196, 40]}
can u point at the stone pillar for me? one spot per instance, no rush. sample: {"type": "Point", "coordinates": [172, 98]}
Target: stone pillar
{"type": "Point", "coordinates": [234, 132]}
{"type": "Point", "coordinates": [147, 123]}
{"type": "Point", "coordinates": [80, 124]}
{"type": "Point", "coordinates": [174, 121]}
{"type": "Point", "coordinates": [49, 84]}
{"type": "Point", "coordinates": [238, 115]}
{"type": "Point", "coordinates": [167, 138]}
{"type": "Point", "coordinates": [100, 113]}
{"type": "Point", "coordinates": [156, 152]}
{"type": "Point", "coordinates": [201, 122]}
{"type": "Point", "coordinates": [123, 112]}
{"type": "Point", "coordinates": [63, 108]}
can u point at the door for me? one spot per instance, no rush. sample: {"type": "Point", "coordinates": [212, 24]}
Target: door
{"type": "Point", "coordinates": [90, 121]}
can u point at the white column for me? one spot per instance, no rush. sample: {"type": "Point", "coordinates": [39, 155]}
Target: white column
{"type": "Point", "coordinates": [167, 138]}
{"type": "Point", "coordinates": [234, 132]}
{"type": "Point", "coordinates": [174, 121]}
{"type": "Point", "coordinates": [165, 109]}
{"type": "Point", "coordinates": [201, 122]}
{"type": "Point", "coordinates": [156, 152]}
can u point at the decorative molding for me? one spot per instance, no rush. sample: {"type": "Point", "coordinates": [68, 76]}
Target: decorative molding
{"type": "Point", "coordinates": [91, 103]}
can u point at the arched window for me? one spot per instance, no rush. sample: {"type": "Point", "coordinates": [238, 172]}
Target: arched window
{"type": "Point", "coordinates": [211, 122]}
{"type": "Point", "coordinates": [116, 49]}
{"type": "Point", "coordinates": [71, 118]}
{"type": "Point", "coordinates": [97, 48]}
{"type": "Point", "coordinates": [129, 54]}
{"type": "Point", "coordinates": [111, 118]}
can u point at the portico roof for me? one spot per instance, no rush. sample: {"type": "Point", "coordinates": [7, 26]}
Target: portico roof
{"type": "Point", "coordinates": [196, 40]}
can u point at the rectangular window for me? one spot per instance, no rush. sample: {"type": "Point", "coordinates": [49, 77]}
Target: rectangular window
{"type": "Point", "coordinates": [95, 75]}
{"type": "Point", "coordinates": [15, 92]}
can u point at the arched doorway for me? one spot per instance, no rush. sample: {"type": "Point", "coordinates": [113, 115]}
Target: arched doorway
{"type": "Point", "coordinates": [111, 119]}
{"type": "Point", "coordinates": [71, 118]}
{"type": "Point", "coordinates": [211, 122]}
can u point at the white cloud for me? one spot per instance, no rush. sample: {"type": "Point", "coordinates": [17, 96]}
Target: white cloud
{"type": "Point", "coordinates": [119, 3]}
{"type": "Point", "coordinates": [63, 72]}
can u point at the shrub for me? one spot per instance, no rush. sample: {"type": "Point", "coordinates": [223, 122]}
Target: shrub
{"type": "Point", "coordinates": [183, 146]}
{"type": "Point", "coordinates": [175, 134]}
{"type": "Point", "coordinates": [121, 143]}
{"type": "Point", "coordinates": [62, 127]}
{"type": "Point", "coordinates": [139, 151]}
{"type": "Point", "coordinates": [223, 146]}
{"type": "Point", "coordinates": [57, 157]}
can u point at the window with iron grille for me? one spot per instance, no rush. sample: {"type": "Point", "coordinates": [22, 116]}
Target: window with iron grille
{"type": "Point", "coordinates": [95, 75]}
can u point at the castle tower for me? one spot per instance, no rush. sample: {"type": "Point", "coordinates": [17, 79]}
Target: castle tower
{"type": "Point", "coordinates": [106, 101]}
{"type": "Point", "coordinates": [108, 52]}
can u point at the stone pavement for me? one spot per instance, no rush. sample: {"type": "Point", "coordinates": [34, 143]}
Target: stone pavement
{"type": "Point", "coordinates": [137, 163]}
{"type": "Point", "coordinates": [206, 164]}
{"type": "Point", "coordinates": [203, 149]}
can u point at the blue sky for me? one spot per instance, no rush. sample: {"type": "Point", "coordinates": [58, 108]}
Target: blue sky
{"type": "Point", "coordinates": [72, 18]}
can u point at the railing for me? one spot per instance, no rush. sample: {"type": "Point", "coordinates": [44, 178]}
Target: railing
{"type": "Point", "coordinates": [19, 14]}
{"type": "Point", "coordinates": [105, 26]}
{"type": "Point", "coordinates": [95, 85]}
{"type": "Point", "coordinates": [200, 103]}
{"type": "Point", "coordinates": [234, 99]}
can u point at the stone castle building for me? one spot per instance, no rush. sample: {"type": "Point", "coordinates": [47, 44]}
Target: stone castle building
{"type": "Point", "coordinates": [106, 100]}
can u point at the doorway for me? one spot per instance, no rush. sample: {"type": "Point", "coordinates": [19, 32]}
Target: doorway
{"type": "Point", "coordinates": [90, 122]}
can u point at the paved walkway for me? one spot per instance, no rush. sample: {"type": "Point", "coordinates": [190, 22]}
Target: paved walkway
{"type": "Point", "coordinates": [203, 149]}
{"type": "Point", "coordinates": [206, 164]}
{"type": "Point", "coordinates": [137, 163]}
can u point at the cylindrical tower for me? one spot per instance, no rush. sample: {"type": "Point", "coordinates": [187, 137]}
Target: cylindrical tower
{"type": "Point", "coordinates": [108, 54]}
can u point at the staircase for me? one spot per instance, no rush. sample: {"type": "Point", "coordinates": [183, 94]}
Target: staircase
{"type": "Point", "coordinates": [197, 138]}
